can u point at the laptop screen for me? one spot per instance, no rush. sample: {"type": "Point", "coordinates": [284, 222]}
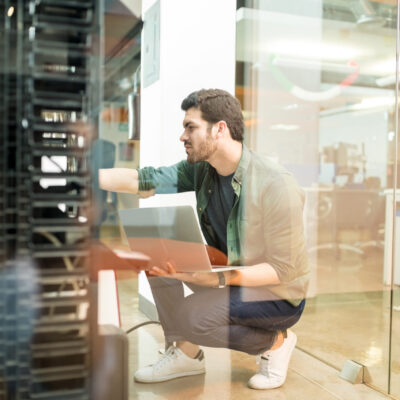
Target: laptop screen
{"type": "Point", "coordinates": [176, 222]}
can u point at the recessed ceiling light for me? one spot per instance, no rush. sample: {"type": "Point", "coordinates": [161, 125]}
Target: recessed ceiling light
{"type": "Point", "coordinates": [315, 50]}
{"type": "Point", "coordinates": [284, 127]}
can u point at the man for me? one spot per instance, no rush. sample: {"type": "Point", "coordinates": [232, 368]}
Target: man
{"type": "Point", "coordinates": [252, 210]}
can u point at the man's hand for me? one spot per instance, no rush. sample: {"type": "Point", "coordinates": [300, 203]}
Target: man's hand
{"type": "Point", "coordinates": [144, 194]}
{"type": "Point", "coordinates": [199, 278]}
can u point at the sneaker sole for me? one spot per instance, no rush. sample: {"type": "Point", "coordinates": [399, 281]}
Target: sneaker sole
{"type": "Point", "coordinates": [265, 387]}
{"type": "Point", "coordinates": [170, 377]}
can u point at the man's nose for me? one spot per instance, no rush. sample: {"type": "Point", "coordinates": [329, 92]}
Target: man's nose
{"type": "Point", "coordinates": [183, 137]}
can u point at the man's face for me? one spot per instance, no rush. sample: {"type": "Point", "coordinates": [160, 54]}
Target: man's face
{"type": "Point", "coordinates": [198, 137]}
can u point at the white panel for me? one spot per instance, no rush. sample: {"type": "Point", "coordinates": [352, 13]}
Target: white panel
{"type": "Point", "coordinates": [108, 307]}
{"type": "Point", "coordinates": [151, 46]}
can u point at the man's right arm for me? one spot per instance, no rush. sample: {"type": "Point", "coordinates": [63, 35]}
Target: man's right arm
{"type": "Point", "coordinates": [122, 180]}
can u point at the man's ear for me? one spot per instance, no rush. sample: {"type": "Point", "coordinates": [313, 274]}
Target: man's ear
{"type": "Point", "coordinates": [222, 127]}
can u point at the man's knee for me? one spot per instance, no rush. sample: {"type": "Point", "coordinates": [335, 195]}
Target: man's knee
{"type": "Point", "coordinates": [199, 320]}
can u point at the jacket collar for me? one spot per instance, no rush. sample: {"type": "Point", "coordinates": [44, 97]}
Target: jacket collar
{"type": "Point", "coordinates": [244, 162]}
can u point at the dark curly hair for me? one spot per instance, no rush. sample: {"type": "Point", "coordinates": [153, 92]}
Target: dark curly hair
{"type": "Point", "coordinates": [217, 105]}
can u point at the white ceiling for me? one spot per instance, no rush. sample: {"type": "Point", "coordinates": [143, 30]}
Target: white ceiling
{"type": "Point", "coordinates": [260, 33]}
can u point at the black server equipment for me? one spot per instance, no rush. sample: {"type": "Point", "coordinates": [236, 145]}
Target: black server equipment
{"type": "Point", "coordinates": [48, 91]}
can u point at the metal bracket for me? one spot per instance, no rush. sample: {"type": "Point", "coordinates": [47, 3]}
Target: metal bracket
{"type": "Point", "coordinates": [354, 372]}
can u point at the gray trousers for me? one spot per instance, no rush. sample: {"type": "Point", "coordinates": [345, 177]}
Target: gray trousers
{"type": "Point", "coordinates": [233, 317]}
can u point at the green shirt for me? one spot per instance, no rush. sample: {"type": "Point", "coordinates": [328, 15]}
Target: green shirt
{"type": "Point", "coordinates": [266, 221]}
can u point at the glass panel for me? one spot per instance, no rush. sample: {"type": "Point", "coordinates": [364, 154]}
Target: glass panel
{"type": "Point", "coordinates": [317, 82]}
{"type": "Point", "coordinates": [119, 121]}
{"type": "Point", "coordinates": [394, 273]}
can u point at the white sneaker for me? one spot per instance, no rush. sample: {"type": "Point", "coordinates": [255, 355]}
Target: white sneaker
{"type": "Point", "coordinates": [173, 364]}
{"type": "Point", "coordinates": [274, 365]}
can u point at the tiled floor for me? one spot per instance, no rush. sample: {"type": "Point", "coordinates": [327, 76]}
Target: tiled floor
{"type": "Point", "coordinates": [228, 371]}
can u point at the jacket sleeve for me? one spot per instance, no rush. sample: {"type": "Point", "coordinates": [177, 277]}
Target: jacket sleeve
{"type": "Point", "coordinates": [173, 179]}
{"type": "Point", "coordinates": [284, 228]}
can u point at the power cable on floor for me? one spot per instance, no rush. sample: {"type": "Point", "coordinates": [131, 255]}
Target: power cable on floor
{"type": "Point", "coordinates": [142, 324]}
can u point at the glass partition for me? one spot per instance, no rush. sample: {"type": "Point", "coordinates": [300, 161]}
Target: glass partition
{"type": "Point", "coordinates": [394, 273]}
{"type": "Point", "coordinates": [317, 83]}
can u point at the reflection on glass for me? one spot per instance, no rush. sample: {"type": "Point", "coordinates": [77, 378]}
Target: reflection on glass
{"type": "Point", "coordinates": [317, 84]}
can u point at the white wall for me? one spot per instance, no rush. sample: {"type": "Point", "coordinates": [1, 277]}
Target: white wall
{"type": "Point", "coordinates": [197, 50]}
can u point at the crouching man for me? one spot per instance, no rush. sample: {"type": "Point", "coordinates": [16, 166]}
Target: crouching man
{"type": "Point", "coordinates": [252, 210]}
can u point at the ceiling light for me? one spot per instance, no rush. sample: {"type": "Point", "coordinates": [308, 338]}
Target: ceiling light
{"type": "Point", "coordinates": [315, 50]}
{"type": "Point", "coordinates": [373, 103]}
{"type": "Point", "coordinates": [293, 106]}
{"type": "Point", "coordinates": [125, 84]}
{"type": "Point", "coordinates": [365, 13]}
{"type": "Point", "coordinates": [284, 127]}
{"type": "Point", "coordinates": [386, 80]}
{"type": "Point", "coordinates": [10, 11]}
{"type": "Point", "coordinates": [314, 64]}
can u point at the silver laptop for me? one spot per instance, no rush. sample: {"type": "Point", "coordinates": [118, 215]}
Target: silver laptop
{"type": "Point", "coordinates": [168, 234]}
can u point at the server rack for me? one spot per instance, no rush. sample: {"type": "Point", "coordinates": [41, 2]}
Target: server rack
{"type": "Point", "coordinates": [48, 94]}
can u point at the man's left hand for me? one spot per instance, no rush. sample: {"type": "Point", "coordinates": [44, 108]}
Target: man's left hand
{"type": "Point", "coordinates": [199, 278]}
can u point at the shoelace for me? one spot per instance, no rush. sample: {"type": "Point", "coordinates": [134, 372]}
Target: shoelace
{"type": "Point", "coordinates": [167, 357]}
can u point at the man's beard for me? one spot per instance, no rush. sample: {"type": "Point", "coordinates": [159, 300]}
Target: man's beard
{"type": "Point", "coordinates": [204, 152]}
